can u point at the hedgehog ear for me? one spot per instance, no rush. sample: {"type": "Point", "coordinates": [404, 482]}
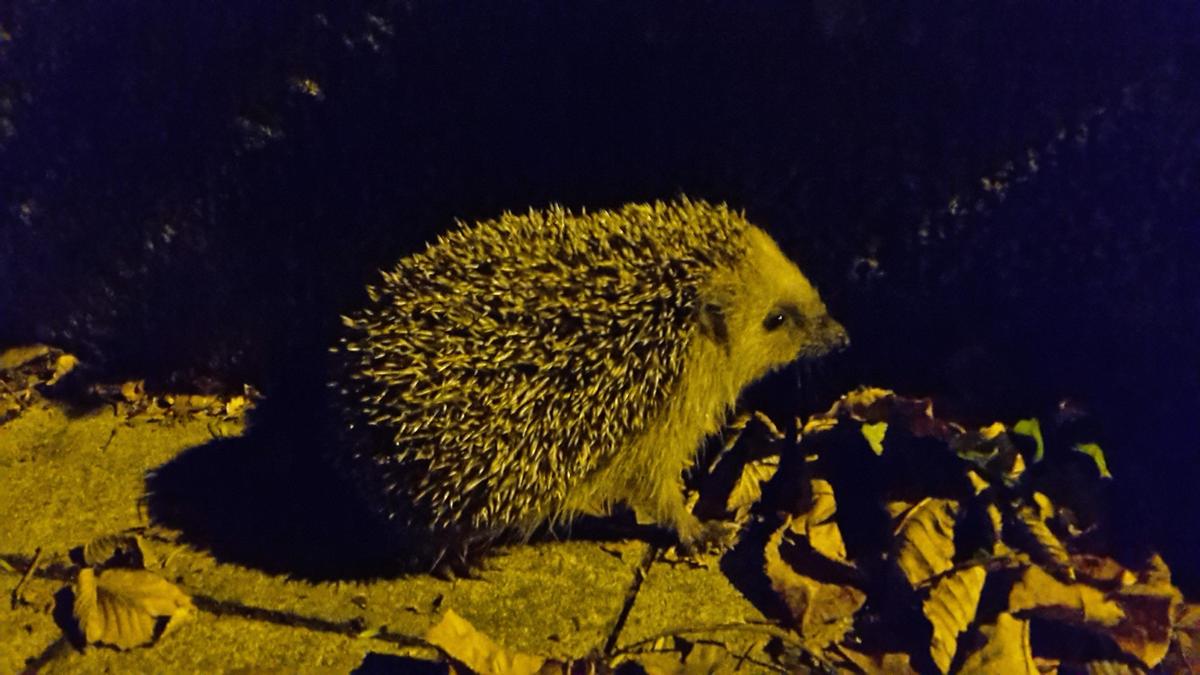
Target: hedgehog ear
{"type": "Point", "coordinates": [712, 319]}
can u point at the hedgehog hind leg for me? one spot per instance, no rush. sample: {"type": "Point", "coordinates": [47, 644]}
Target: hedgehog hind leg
{"type": "Point", "coordinates": [457, 560]}
{"type": "Point", "coordinates": [459, 555]}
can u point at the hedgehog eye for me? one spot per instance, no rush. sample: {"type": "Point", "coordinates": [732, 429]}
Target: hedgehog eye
{"type": "Point", "coordinates": [774, 320]}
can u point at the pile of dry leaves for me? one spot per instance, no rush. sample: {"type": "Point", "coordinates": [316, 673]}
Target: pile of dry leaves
{"type": "Point", "coordinates": [907, 543]}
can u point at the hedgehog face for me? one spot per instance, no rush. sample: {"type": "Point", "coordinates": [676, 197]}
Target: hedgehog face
{"type": "Point", "coordinates": [773, 315]}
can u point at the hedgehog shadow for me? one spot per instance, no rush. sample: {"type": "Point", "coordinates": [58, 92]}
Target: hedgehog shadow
{"type": "Point", "coordinates": [268, 501]}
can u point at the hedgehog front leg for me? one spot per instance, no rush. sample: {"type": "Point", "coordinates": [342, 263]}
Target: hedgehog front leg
{"type": "Point", "coordinates": [667, 508]}
{"type": "Point", "coordinates": [649, 488]}
{"type": "Point", "coordinates": [658, 494]}
{"type": "Point", "coordinates": [673, 511]}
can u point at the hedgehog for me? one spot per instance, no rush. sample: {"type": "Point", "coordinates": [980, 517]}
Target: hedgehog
{"type": "Point", "coordinates": [525, 370]}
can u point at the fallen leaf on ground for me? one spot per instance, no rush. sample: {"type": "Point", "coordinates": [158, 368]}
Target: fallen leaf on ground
{"type": "Point", "coordinates": [1187, 637]}
{"type": "Point", "coordinates": [16, 357]}
{"type": "Point", "coordinates": [1097, 455]}
{"type": "Point", "coordinates": [867, 404]}
{"type": "Point", "coordinates": [874, 434]}
{"type": "Point", "coordinates": [1005, 648]}
{"type": "Point", "coordinates": [950, 608]}
{"type": "Point", "coordinates": [748, 489]}
{"type": "Point", "coordinates": [1040, 593]}
{"type": "Point", "coordinates": [1045, 545]}
{"type": "Point", "coordinates": [925, 539]}
{"type": "Point", "coordinates": [127, 608]}
{"type": "Point", "coordinates": [236, 405]}
{"type": "Point", "coordinates": [877, 664]}
{"type": "Point", "coordinates": [460, 640]}
{"type": "Point", "coordinates": [127, 549]}
{"type": "Point", "coordinates": [1033, 429]}
{"type": "Point", "coordinates": [133, 391]}
{"type": "Point", "coordinates": [62, 365]}
{"type": "Point", "coordinates": [1150, 610]}
{"type": "Point", "coordinates": [823, 612]}
{"type": "Point", "coordinates": [708, 658]}
{"type": "Point", "coordinates": [818, 525]}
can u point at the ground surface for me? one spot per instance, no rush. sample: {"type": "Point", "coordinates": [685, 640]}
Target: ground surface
{"type": "Point", "coordinates": [147, 531]}
{"type": "Point", "coordinates": [71, 479]}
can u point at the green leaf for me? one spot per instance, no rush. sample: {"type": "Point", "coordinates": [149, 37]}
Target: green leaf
{"type": "Point", "coordinates": [1092, 450]}
{"type": "Point", "coordinates": [1032, 429]}
{"type": "Point", "coordinates": [874, 434]}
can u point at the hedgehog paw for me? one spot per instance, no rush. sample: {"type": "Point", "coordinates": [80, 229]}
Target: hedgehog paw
{"type": "Point", "coordinates": [450, 568]}
{"type": "Point", "coordinates": [460, 560]}
{"type": "Point", "coordinates": [709, 536]}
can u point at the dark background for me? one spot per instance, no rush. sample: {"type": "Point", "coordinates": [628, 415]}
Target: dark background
{"type": "Point", "coordinates": [191, 192]}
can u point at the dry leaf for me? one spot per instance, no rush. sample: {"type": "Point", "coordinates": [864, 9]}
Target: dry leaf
{"type": "Point", "coordinates": [189, 404]}
{"type": "Point", "coordinates": [1016, 467]}
{"type": "Point", "coordinates": [817, 424]}
{"type": "Point", "coordinates": [127, 608]}
{"type": "Point", "coordinates": [1102, 572]}
{"type": "Point", "coordinates": [868, 404]}
{"type": "Point", "coordinates": [1046, 596]}
{"type": "Point", "coordinates": [1046, 545]}
{"type": "Point", "coordinates": [996, 522]}
{"type": "Point", "coordinates": [16, 357]}
{"type": "Point", "coordinates": [818, 523]}
{"type": "Point", "coordinates": [1145, 632]}
{"type": "Point", "coordinates": [950, 608]}
{"type": "Point", "coordinates": [978, 484]}
{"type": "Point", "coordinates": [706, 658]}
{"type": "Point", "coordinates": [235, 405]}
{"type": "Point", "coordinates": [1156, 572]}
{"type": "Point", "coordinates": [874, 434]}
{"type": "Point", "coordinates": [62, 365]}
{"type": "Point", "coordinates": [876, 664]}
{"type": "Point", "coordinates": [989, 447]}
{"type": "Point", "coordinates": [1033, 429]}
{"type": "Point", "coordinates": [823, 612]}
{"type": "Point", "coordinates": [9, 408]}
{"type": "Point", "coordinates": [129, 550]}
{"type": "Point", "coordinates": [1111, 668]}
{"type": "Point", "coordinates": [133, 391]}
{"type": "Point", "coordinates": [462, 642]}
{"type": "Point", "coordinates": [925, 539]}
{"type": "Point", "coordinates": [1187, 637]}
{"type": "Point", "coordinates": [1005, 649]}
{"type": "Point", "coordinates": [1096, 454]}
{"type": "Point", "coordinates": [748, 490]}
{"type": "Point", "coordinates": [992, 431]}
{"type": "Point", "coordinates": [896, 508]}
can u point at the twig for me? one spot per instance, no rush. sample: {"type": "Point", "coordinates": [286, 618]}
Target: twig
{"type": "Point", "coordinates": [16, 593]}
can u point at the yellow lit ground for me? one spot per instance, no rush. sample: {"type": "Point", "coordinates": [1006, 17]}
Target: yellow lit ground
{"type": "Point", "coordinates": [70, 478]}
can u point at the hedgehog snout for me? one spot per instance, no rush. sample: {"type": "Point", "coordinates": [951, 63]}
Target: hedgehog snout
{"type": "Point", "coordinates": [823, 336]}
{"type": "Point", "coordinates": [833, 334]}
